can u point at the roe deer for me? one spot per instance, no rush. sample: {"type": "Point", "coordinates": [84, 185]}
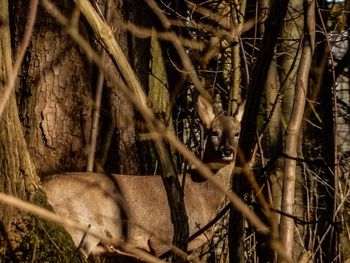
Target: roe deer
{"type": "Point", "coordinates": [92, 199]}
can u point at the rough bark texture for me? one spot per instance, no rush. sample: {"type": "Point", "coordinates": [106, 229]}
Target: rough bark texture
{"type": "Point", "coordinates": [55, 97]}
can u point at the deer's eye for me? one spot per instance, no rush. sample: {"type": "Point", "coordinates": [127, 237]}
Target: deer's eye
{"type": "Point", "coordinates": [234, 134]}
{"type": "Point", "coordinates": [215, 133]}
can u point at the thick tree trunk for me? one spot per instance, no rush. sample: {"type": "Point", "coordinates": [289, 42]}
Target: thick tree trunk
{"type": "Point", "coordinates": [54, 97]}
{"type": "Point", "coordinates": [23, 238]}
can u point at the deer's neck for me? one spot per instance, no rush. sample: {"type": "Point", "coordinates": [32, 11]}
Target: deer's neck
{"type": "Point", "coordinates": [204, 198]}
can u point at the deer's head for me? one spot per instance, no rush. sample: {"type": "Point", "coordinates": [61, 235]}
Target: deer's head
{"type": "Point", "coordinates": [223, 131]}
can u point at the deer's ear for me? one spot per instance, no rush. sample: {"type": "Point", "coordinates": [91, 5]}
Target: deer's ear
{"type": "Point", "coordinates": [205, 111]}
{"type": "Point", "coordinates": [239, 112]}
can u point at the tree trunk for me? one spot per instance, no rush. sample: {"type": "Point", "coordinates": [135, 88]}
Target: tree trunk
{"type": "Point", "coordinates": [23, 237]}
{"type": "Point", "coordinates": [54, 97]}
{"type": "Point", "coordinates": [127, 153]}
{"type": "Point", "coordinates": [293, 135]}
{"type": "Point", "coordinates": [288, 62]}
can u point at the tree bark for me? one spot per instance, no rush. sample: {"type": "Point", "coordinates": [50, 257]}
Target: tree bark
{"type": "Point", "coordinates": [289, 50]}
{"type": "Point", "coordinates": [127, 152]}
{"type": "Point", "coordinates": [54, 97]}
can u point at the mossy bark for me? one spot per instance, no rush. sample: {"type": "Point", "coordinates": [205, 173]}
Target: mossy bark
{"type": "Point", "coordinates": [42, 241]}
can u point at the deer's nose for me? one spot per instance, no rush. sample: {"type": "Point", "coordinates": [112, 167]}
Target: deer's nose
{"type": "Point", "coordinates": [227, 154]}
